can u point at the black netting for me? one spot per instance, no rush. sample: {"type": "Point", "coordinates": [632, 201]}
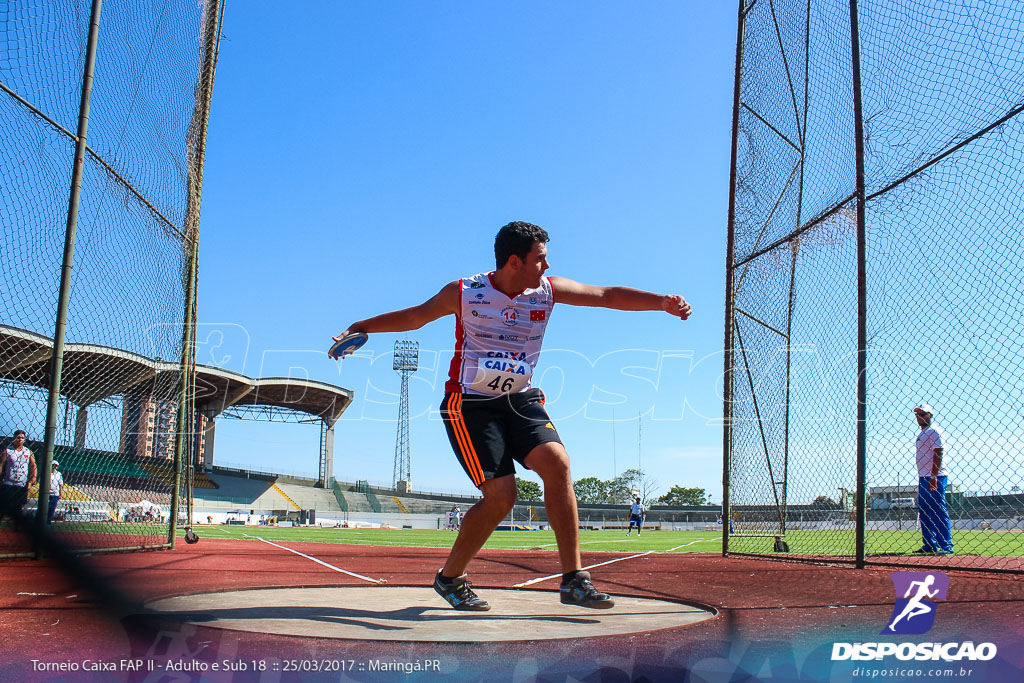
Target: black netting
{"type": "Point", "coordinates": [942, 90]}
{"type": "Point", "coordinates": [121, 389]}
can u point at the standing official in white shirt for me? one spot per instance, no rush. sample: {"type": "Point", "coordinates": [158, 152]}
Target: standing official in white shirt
{"type": "Point", "coordinates": [931, 487]}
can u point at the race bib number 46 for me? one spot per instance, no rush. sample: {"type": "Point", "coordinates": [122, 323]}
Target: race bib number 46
{"type": "Point", "coordinates": [501, 376]}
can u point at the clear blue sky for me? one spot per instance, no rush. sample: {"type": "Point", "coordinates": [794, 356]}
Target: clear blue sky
{"type": "Point", "coordinates": [361, 155]}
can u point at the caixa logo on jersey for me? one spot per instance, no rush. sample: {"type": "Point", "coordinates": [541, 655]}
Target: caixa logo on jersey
{"type": "Point", "coordinates": [913, 613]}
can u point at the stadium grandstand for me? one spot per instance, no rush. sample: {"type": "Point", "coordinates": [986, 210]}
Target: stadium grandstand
{"type": "Point", "coordinates": [241, 496]}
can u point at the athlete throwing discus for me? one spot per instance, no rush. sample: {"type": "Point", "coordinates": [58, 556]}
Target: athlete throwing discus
{"type": "Point", "coordinates": [493, 416]}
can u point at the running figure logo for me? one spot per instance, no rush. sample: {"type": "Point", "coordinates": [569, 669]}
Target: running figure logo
{"type": "Point", "coordinates": [914, 613]}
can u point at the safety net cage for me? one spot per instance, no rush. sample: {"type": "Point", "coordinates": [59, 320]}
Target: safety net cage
{"type": "Point", "coordinates": [103, 109]}
{"type": "Point", "coordinates": [874, 265]}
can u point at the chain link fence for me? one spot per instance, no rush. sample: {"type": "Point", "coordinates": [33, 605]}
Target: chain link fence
{"type": "Point", "coordinates": [107, 382]}
{"type": "Point", "coordinates": [877, 190]}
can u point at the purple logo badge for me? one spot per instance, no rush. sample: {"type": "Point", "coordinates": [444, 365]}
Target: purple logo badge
{"type": "Point", "coordinates": [916, 597]}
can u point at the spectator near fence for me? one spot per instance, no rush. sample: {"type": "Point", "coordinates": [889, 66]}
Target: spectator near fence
{"type": "Point", "coordinates": [17, 473]}
{"type": "Point", "coordinates": [56, 487]}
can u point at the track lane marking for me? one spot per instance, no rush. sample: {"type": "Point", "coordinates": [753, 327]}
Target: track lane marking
{"type": "Point", "coordinates": [699, 540]}
{"type": "Point", "coordinates": [599, 564]}
{"type": "Point", "coordinates": [310, 557]}
{"type": "Point", "coordinates": [524, 584]}
{"type": "Point", "coordinates": [549, 545]}
{"type": "Point", "coordinates": [619, 540]}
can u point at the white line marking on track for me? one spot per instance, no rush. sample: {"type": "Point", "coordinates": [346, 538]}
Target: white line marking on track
{"type": "Point", "coordinates": [619, 540]}
{"type": "Point", "coordinates": [549, 545]}
{"type": "Point", "coordinates": [599, 564]}
{"type": "Point", "coordinates": [699, 540]}
{"type": "Point", "coordinates": [309, 557]}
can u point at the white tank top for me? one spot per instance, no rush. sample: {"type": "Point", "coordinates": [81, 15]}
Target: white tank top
{"type": "Point", "coordinates": [16, 468]}
{"type": "Point", "coordinates": [497, 338]}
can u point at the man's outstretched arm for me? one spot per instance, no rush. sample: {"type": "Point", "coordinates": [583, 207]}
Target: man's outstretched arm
{"type": "Point", "coordinates": [620, 298]}
{"type": "Point", "coordinates": [443, 303]}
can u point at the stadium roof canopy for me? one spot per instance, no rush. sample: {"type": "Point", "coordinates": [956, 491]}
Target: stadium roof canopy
{"type": "Point", "coordinates": [91, 373]}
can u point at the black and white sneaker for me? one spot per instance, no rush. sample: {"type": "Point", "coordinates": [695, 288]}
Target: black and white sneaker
{"type": "Point", "coordinates": [458, 594]}
{"type": "Point", "coordinates": [580, 592]}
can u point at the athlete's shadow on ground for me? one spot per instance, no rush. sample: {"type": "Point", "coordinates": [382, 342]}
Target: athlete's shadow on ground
{"type": "Point", "coordinates": [359, 617]}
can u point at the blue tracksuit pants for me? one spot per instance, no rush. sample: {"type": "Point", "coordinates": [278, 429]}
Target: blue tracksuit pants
{"type": "Point", "coordinates": [931, 505]}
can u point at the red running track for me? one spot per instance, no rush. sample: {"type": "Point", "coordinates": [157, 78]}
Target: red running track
{"type": "Point", "coordinates": [775, 620]}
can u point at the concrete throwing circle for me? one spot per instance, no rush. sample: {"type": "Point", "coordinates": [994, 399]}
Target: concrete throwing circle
{"type": "Point", "coordinates": [418, 614]}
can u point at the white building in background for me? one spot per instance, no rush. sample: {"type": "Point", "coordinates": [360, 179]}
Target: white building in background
{"type": "Point", "coordinates": [895, 497]}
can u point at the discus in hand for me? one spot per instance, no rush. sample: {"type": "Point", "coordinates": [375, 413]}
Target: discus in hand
{"type": "Point", "coordinates": [347, 345]}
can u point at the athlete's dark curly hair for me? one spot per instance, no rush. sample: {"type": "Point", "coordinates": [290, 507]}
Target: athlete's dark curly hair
{"type": "Point", "coordinates": [517, 238]}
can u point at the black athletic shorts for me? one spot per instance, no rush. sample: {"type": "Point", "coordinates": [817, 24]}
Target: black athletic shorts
{"type": "Point", "coordinates": [490, 433]}
{"type": "Point", "coordinates": [12, 500]}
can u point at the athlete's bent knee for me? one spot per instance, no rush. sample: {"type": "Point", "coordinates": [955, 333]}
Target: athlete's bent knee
{"type": "Point", "coordinates": [549, 461]}
{"type": "Point", "coordinates": [500, 493]}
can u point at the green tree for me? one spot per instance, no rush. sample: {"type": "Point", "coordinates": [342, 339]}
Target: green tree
{"type": "Point", "coordinates": [681, 495]}
{"type": "Point", "coordinates": [825, 502]}
{"type": "Point", "coordinates": [631, 482]}
{"type": "Point", "coordinates": [591, 490]}
{"type": "Point", "coordinates": [528, 490]}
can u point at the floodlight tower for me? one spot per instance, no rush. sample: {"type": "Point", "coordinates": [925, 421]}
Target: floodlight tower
{"type": "Point", "coordinates": [407, 354]}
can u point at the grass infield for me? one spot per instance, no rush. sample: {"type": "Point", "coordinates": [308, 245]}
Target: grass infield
{"type": "Point", "coordinates": [897, 542]}
{"type": "Point", "coordinates": [590, 541]}
{"type": "Point", "coordinates": [839, 542]}
{"type": "Point", "coordinates": [801, 542]}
